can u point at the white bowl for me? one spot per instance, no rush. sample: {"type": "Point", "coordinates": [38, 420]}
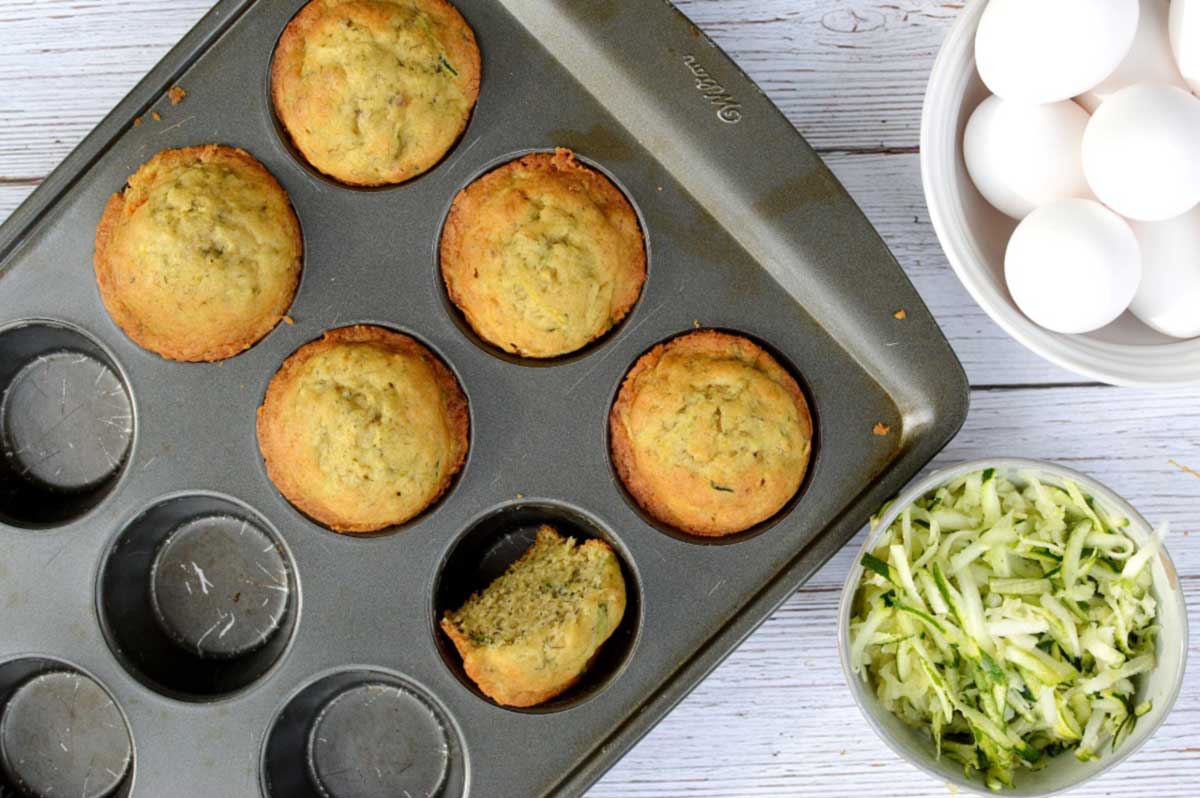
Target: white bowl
{"type": "Point", "coordinates": [1065, 772]}
{"type": "Point", "coordinates": [975, 235]}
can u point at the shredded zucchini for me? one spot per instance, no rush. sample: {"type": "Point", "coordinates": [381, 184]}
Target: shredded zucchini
{"type": "Point", "coordinates": [1009, 623]}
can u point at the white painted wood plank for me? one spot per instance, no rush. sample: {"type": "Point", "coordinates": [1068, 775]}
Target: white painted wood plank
{"type": "Point", "coordinates": [776, 719]}
{"type": "Point", "coordinates": [65, 63]}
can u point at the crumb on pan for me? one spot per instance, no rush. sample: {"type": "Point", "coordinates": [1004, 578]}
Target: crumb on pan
{"type": "Point", "coordinates": [289, 320]}
{"type": "Point", "coordinates": [176, 95]}
{"type": "Point", "coordinates": [156, 116]}
{"type": "Point", "coordinates": [137, 120]}
{"type": "Point", "coordinates": [881, 429]}
{"type": "Point", "coordinates": [900, 314]}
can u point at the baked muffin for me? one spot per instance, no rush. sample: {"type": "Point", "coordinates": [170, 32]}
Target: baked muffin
{"type": "Point", "coordinates": [532, 633]}
{"type": "Point", "coordinates": [363, 429]}
{"type": "Point", "coordinates": [374, 92]}
{"type": "Point", "coordinates": [710, 434]}
{"type": "Point", "coordinates": [542, 255]}
{"type": "Point", "coordinates": [199, 257]}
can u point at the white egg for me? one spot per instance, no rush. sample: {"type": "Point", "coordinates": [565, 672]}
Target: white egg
{"type": "Point", "coordinates": [1021, 156]}
{"type": "Point", "coordinates": [1042, 52]}
{"type": "Point", "coordinates": [1141, 152]}
{"type": "Point", "coordinates": [1185, 39]}
{"type": "Point", "coordinates": [1168, 298]}
{"type": "Point", "coordinates": [1072, 266]}
{"type": "Point", "coordinates": [1150, 57]}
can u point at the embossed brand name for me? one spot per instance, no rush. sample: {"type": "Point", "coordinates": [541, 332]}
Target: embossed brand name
{"type": "Point", "coordinates": [729, 110]}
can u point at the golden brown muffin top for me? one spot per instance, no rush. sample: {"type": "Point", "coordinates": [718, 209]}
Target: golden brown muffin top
{"type": "Point", "coordinates": [199, 257]}
{"type": "Point", "coordinates": [543, 255]}
{"type": "Point", "coordinates": [374, 92]}
{"type": "Point", "coordinates": [710, 434]}
{"type": "Point", "coordinates": [363, 429]}
{"type": "Point", "coordinates": [531, 633]}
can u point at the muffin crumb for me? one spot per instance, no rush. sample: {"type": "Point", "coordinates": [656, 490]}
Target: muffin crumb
{"type": "Point", "coordinates": [176, 95]}
{"type": "Point", "coordinates": [881, 429]}
{"type": "Point", "coordinates": [900, 315]}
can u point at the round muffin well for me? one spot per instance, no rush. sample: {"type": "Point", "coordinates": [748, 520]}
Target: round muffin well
{"type": "Point", "coordinates": [542, 255]}
{"type": "Point", "coordinates": [491, 546]}
{"type": "Point", "coordinates": [199, 257]}
{"type": "Point", "coordinates": [710, 434]}
{"type": "Point", "coordinates": [363, 429]}
{"type": "Point", "coordinates": [375, 92]}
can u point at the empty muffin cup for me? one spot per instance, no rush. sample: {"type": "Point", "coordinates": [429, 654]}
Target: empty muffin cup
{"type": "Point", "coordinates": [61, 733]}
{"type": "Point", "coordinates": [363, 733]}
{"type": "Point", "coordinates": [66, 424]}
{"type": "Point", "coordinates": [198, 597]}
{"type": "Point", "coordinates": [493, 543]}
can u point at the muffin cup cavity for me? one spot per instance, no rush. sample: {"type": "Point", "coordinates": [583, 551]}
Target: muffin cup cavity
{"type": "Point", "coordinates": [66, 424]}
{"type": "Point", "coordinates": [61, 733]}
{"type": "Point", "coordinates": [484, 552]}
{"type": "Point", "coordinates": [814, 458]}
{"type": "Point", "coordinates": [456, 315]}
{"type": "Point", "coordinates": [198, 597]}
{"type": "Point", "coordinates": [363, 733]}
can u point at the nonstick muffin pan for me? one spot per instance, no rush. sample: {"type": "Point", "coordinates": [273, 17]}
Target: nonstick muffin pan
{"type": "Point", "coordinates": [228, 645]}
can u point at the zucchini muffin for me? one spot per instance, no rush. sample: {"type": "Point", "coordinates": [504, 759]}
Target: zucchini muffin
{"type": "Point", "coordinates": [375, 92]}
{"type": "Point", "coordinates": [363, 429]}
{"type": "Point", "coordinates": [532, 633]}
{"type": "Point", "coordinates": [199, 257]}
{"type": "Point", "coordinates": [542, 255]}
{"type": "Point", "coordinates": [710, 434]}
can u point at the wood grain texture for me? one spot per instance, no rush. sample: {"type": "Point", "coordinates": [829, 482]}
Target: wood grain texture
{"type": "Point", "coordinates": [775, 719]}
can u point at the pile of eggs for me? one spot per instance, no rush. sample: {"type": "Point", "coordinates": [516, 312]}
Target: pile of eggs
{"type": "Point", "coordinates": [1091, 139]}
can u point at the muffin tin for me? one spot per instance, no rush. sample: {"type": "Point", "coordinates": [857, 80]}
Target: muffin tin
{"type": "Point", "coordinates": [246, 650]}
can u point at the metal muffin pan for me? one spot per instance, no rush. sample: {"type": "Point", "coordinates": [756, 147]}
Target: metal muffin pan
{"type": "Point", "coordinates": [248, 650]}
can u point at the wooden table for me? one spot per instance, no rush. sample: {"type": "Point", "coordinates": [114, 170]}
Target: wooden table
{"type": "Point", "coordinates": [776, 718]}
